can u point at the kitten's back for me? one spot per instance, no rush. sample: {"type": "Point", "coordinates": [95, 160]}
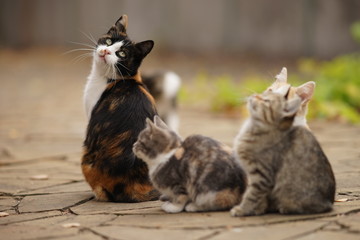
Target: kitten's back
{"type": "Point", "coordinates": [305, 182]}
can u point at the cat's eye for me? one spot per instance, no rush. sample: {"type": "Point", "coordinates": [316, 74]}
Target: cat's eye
{"type": "Point", "coordinates": [108, 41]}
{"type": "Point", "coordinates": [122, 54]}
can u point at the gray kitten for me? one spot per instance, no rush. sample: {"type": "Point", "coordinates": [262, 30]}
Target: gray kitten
{"type": "Point", "coordinates": [198, 174]}
{"type": "Point", "coordinates": [288, 171]}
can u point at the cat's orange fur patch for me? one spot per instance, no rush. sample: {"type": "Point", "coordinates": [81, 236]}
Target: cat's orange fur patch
{"type": "Point", "coordinates": [179, 153]}
{"type": "Point", "coordinates": [227, 198]}
{"type": "Point", "coordinates": [226, 148]}
{"type": "Point", "coordinates": [141, 192]}
{"type": "Point", "coordinates": [92, 176]}
{"type": "Point", "coordinates": [114, 104]}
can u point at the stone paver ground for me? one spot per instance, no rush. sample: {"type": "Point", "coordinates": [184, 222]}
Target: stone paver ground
{"type": "Point", "coordinates": [42, 189]}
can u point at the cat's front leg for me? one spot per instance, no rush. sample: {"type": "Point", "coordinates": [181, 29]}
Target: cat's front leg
{"type": "Point", "coordinates": [176, 205]}
{"type": "Point", "coordinates": [254, 202]}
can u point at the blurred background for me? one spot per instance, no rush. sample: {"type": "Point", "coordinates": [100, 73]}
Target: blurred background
{"type": "Point", "coordinates": [281, 28]}
{"type": "Point", "coordinates": [222, 50]}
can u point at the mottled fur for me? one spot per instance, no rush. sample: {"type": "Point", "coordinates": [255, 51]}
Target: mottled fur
{"type": "Point", "coordinates": [288, 171]}
{"type": "Point", "coordinates": [198, 174]}
{"type": "Point", "coordinates": [118, 104]}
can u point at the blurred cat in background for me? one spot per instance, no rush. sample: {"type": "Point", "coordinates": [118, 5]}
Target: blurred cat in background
{"type": "Point", "coordinates": [164, 86]}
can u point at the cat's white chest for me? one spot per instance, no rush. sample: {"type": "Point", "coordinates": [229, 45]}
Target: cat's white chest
{"type": "Point", "coordinates": [94, 87]}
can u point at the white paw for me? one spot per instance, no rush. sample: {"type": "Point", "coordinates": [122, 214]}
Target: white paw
{"type": "Point", "coordinates": [172, 208]}
{"type": "Point", "coordinates": [191, 207]}
{"type": "Point", "coordinates": [237, 212]}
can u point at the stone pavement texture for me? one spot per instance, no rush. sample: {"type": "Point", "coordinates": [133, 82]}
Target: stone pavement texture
{"type": "Point", "coordinates": [43, 194]}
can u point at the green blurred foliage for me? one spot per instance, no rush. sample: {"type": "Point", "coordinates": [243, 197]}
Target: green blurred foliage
{"type": "Point", "coordinates": [355, 31]}
{"type": "Point", "coordinates": [336, 97]}
{"type": "Point", "coordinates": [337, 93]}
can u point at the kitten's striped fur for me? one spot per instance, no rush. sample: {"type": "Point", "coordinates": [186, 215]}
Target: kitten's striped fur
{"type": "Point", "coordinates": [288, 171]}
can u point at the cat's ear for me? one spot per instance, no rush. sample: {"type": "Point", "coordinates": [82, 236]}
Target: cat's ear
{"type": "Point", "coordinates": [292, 106]}
{"type": "Point", "coordinates": [149, 124]}
{"type": "Point", "coordinates": [145, 47]}
{"type": "Point", "coordinates": [280, 81]}
{"type": "Point", "coordinates": [122, 23]}
{"type": "Point", "coordinates": [159, 123]}
{"type": "Point", "coordinates": [282, 76]}
{"type": "Point", "coordinates": [306, 91]}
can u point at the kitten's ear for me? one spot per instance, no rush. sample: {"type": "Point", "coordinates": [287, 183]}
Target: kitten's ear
{"type": "Point", "coordinates": [159, 123]}
{"type": "Point", "coordinates": [282, 76]}
{"type": "Point", "coordinates": [284, 90]}
{"type": "Point", "coordinates": [122, 23]}
{"type": "Point", "coordinates": [306, 91]}
{"type": "Point", "coordinates": [149, 124]}
{"type": "Point", "coordinates": [280, 80]}
{"type": "Point", "coordinates": [292, 106]}
{"type": "Point", "coordinates": [145, 47]}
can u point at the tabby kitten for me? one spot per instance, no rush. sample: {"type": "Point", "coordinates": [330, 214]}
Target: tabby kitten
{"type": "Point", "coordinates": [305, 92]}
{"type": "Point", "coordinates": [198, 174]}
{"type": "Point", "coordinates": [164, 86]}
{"type": "Point", "coordinates": [288, 171]}
{"type": "Point", "coordinates": [117, 104]}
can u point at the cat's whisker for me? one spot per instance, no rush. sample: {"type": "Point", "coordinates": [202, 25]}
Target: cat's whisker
{"type": "Point", "coordinates": [243, 100]}
{"type": "Point", "coordinates": [250, 90]}
{"type": "Point", "coordinates": [83, 44]}
{"type": "Point", "coordinates": [124, 66]}
{"type": "Point", "coordinates": [122, 76]}
{"type": "Point", "coordinates": [78, 49]}
{"type": "Point", "coordinates": [90, 37]}
{"type": "Point", "coordinates": [81, 57]}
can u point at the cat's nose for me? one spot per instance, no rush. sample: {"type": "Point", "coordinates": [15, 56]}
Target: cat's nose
{"type": "Point", "coordinates": [104, 52]}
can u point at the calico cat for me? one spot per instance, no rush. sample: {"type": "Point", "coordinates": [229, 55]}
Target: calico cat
{"type": "Point", "coordinates": [288, 171]}
{"type": "Point", "coordinates": [198, 174]}
{"type": "Point", "coordinates": [117, 104]}
{"type": "Point", "coordinates": [164, 86]}
{"type": "Point", "coordinates": [305, 92]}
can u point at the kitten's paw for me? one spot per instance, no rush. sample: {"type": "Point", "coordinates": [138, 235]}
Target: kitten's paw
{"type": "Point", "coordinates": [172, 208]}
{"type": "Point", "coordinates": [191, 207]}
{"type": "Point", "coordinates": [237, 211]}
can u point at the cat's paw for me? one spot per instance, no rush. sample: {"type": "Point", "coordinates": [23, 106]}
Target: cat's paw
{"type": "Point", "coordinates": [172, 208]}
{"type": "Point", "coordinates": [237, 211]}
{"type": "Point", "coordinates": [191, 207]}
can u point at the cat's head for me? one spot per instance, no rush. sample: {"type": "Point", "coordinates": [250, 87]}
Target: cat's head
{"type": "Point", "coordinates": [271, 110]}
{"type": "Point", "coordinates": [155, 140]}
{"type": "Point", "coordinates": [117, 55]}
{"type": "Point", "coordinates": [305, 92]}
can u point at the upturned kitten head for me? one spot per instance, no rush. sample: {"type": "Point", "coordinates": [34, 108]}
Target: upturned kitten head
{"type": "Point", "coordinates": [116, 55]}
{"type": "Point", "coordinates": [305, 92]}
{"type": "Point", "coordinates": [272, 110]}
{"type": "Point", "coordinates": [156, 141]}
